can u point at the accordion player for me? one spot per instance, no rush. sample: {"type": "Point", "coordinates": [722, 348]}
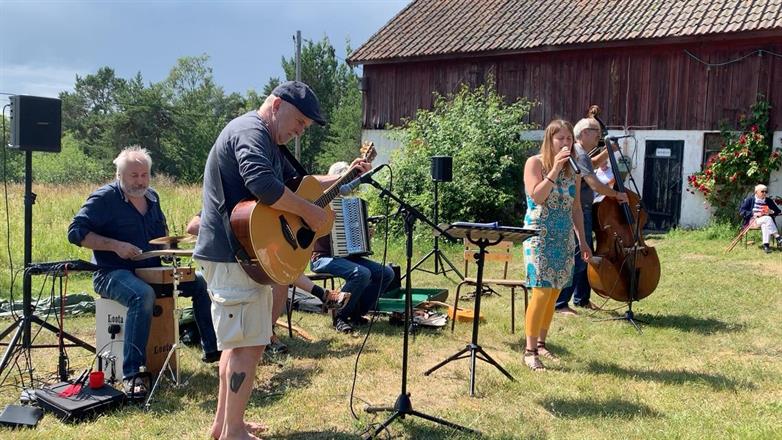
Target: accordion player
{"type": "Point", "coordinates": [350, 233]}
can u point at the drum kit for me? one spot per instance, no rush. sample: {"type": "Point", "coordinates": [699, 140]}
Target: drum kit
{"type": "Point", "coordinates": [165, 276]}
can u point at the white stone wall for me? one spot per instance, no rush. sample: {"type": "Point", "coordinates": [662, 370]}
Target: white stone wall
{"type": "Point", "coordinates": [775, 182]}
{"type": "Point", "coordinates": [695, 211]}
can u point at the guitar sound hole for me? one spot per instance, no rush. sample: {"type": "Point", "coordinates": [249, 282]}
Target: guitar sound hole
{"type": "Point", "coordinates": [305, 236]}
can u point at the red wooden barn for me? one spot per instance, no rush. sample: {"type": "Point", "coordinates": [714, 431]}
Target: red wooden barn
{"type": "Point", "coordinates": [668, 72]}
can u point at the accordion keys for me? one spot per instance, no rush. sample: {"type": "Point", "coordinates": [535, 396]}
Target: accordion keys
{"type": "Point", "coordinates": [350, 233]}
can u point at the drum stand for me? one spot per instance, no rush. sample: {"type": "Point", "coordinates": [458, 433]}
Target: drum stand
{"type": "Point", "coordinates": [175, 376]}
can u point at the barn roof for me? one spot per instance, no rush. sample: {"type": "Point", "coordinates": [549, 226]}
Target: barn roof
{"type": "Point", "coordinates": [427, 29]}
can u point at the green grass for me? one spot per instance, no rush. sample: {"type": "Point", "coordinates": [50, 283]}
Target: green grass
{"type": "Point", "coordinates": [706, 366]}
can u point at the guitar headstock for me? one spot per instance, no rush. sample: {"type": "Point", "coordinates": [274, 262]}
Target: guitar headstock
{"type": "Point", "coordinates": [368, 151]}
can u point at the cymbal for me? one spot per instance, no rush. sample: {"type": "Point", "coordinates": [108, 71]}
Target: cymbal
{"type": "Point", "coordinates": [163, 253]}
{"type": "Point", "coordinates": [173, 240]}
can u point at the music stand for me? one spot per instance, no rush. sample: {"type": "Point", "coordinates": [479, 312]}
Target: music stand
{"type": "Point", "coordinates": [403, 406]}
{"type": "Point", "coordinates": [482, 235]}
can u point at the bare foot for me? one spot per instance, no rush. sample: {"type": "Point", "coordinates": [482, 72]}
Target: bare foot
{"type": "Point", "coordinates": [251, 427]}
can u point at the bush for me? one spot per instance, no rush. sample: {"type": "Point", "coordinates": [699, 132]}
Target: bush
{"type": "Point", "coordinates": [481, 133]}
{"type": "Point", "coordinates": [745, 160]}
{"type": "Point", "coordinates": [70, 165]}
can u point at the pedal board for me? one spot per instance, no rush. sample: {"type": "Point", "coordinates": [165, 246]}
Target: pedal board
{"type": "Point", "coordinates": [87, 403]}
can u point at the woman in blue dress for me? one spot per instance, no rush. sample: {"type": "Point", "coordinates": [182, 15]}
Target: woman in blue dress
{"type": "Point", "coordinates": [554, 208]}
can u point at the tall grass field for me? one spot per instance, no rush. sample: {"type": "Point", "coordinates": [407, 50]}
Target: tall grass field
{"type": "Point", "coordinates": [707, 365]}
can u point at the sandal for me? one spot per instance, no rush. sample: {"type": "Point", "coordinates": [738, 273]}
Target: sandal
{"type": "Point", "coordinates": [533, 361]}
{"type": "Point", "coordinates": [545, 352]}
{"type": "Point", "coordinates": [335, 299]}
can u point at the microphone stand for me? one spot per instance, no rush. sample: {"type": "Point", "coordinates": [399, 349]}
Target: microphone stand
{"type": "Point", "coordinates": [402, 406]}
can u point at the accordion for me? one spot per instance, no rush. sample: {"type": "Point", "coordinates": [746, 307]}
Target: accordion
{"type": "Point", "coordinates": [350, 234]}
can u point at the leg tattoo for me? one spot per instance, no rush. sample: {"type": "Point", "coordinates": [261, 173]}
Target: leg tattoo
{"type": "Point", "coordinates": [236, 381]}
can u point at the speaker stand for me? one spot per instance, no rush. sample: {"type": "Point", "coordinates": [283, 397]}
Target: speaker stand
{"type": "Point", "coordinates": [440, 260]}
{"type": "Point", "coordinates": [23, 325]}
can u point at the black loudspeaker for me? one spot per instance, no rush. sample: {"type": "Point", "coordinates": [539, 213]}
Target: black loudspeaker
{"type": "Point", "coordinates": [36, 123]}
{"type": "Point", "coordinates": [442, 168]}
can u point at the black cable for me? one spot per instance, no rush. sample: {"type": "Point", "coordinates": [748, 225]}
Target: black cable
{"type": "Point", "coordinates": [374, 316]}
{"type": "Point", "coordinates": [7, 210]}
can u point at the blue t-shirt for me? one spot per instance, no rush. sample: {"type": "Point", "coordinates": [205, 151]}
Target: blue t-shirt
{"type": "Point", "coordinates": [109, 213]}
{"type": "Point", "coordinates": [247, 164]}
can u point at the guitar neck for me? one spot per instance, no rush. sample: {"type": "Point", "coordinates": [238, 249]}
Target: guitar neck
{"type": "Point", "coordinates": [333, 190]}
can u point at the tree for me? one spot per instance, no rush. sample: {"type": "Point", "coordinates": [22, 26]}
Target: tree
{"type": "Point", "coordinates": [330, 80]}
{"type": "Point", "coordinates": [344, 134]}
{"type": "Point", "coordinates": [89, 111]}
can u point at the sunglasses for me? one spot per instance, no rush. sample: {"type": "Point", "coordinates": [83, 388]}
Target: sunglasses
{"type": "Point", "coordinates": [764, 191]}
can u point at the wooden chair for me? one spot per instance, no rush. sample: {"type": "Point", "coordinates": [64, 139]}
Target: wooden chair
{"type": "Point", "coordinates": [315, 277]}
{"type": "Point", "coordinates": [500, 253]}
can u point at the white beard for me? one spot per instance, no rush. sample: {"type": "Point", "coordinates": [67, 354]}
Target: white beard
{"type": "Point", "coordinates": [131, 191]}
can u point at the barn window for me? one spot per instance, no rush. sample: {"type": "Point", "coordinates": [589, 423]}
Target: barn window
{"type": "Point", "coordinates": [712, 144]}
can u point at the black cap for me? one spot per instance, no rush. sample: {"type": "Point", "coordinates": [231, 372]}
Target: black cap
{"type": "Point", "coordinates": [302, 97]}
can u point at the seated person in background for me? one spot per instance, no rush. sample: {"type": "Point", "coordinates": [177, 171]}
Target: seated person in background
{"type": "Point", "coordinates": [365, 279]}
{"type": "Point", "coordinates": [762, 210]}
{"type": "Point", "coordinates": [117, 222]}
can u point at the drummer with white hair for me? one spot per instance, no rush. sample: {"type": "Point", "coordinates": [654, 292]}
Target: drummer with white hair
{"type": "Point", "coordinates": [117, 222]}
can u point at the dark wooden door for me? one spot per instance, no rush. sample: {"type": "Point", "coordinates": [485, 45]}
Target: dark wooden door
{"type": "Point", "coordinates": [662, 192]}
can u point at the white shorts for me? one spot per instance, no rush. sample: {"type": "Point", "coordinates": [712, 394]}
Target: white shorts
{"type": "Point", "coordinates": [241, 308]}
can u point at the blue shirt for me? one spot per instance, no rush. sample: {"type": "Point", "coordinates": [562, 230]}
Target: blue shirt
{"type": "Point", "coordinates": [244, 163]}
{"type": "Point", "coordinates": [109, 213]}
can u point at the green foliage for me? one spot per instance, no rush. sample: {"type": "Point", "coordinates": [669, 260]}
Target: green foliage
{"type": "Point", "coordinates": [745, 160]}
{"type": "Point", "coordinates": [481, 132]}
{"type": "Point", "coordinates": [59, 168]}
{"type": "Point", "coordinates": [336, 85]}
{"type": "Point", "coordinates": [344, 135]}
{"type": "Point", "coordinates": [177, 119]}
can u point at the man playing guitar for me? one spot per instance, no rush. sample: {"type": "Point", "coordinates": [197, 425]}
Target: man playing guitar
{"type": "Point", "coordinates": [246, 162]}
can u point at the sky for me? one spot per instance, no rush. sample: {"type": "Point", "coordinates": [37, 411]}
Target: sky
{"type": "Point", "coordinates": [44, 44]}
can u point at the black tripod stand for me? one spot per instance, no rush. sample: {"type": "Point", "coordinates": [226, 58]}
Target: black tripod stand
{"type": "Point", "coordinates": [403, 406]}
{"type": "Point", "coordinates": [23, 325]}
{"type": "Point", "coordinates": [440, 260]}
{"type": "Point", "coordinates": [442, 171]}
{"type": "Point", "coordinates": [482, 235]}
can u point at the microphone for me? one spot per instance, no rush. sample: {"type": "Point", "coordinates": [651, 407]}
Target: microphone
{"type": "Point", "coordinates": [573, 165]}
{"type": "Point", "coordinates": [348, 188]}
{"type": "Point", "coordinates": [615, 138]}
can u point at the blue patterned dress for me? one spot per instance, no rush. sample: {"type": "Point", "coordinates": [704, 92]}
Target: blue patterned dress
{"type": "Point", "coordinates": [549, 256]}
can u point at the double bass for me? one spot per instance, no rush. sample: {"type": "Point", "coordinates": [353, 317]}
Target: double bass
{"type": "Point", "coordinates": [624, 267]}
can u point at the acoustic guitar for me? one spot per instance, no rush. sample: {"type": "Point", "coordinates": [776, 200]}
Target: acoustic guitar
{"type": "Point", "coordinates": [280, 243]}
